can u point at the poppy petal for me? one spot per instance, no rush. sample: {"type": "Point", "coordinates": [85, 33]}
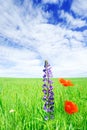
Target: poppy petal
{"type": "Point", "coordinates": [70, 107]}
{"type": "Point", "coordinates": [61, 80]}
{"type": "Point", "coordinates": [65, 83]}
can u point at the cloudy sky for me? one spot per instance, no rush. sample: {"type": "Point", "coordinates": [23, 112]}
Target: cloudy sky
{"type": "Point", "coordinates": [34, 30]}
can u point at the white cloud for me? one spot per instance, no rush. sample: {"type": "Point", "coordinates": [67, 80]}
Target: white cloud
{"type": "Point", "coordinates": [61, 46]}
{"type": "Point", "coordinates": [50, 1]}
{"type": "Point", "coordinates": [80, 7]}
{"type": "Point", "coordinates": [24, 62]}
{"type": "Point", "coordinates": [71, 21]}
{"type": "Point", "coordinates": [59, 2]}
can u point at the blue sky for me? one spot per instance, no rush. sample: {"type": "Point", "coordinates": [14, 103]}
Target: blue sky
{"type": "Point", "coordinates": [34, 30]}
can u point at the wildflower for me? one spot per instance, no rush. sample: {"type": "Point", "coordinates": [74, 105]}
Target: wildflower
{"type": "Point", "coordinates": [70, 107]}
{"type": "Point", "coordinates": [12, 111]}
{"type": "Point", "coordinates": [48, 97]}
{"type": "Point", "coordinates": [61, 80]}
{"type": "Point", "coordinates": [65, 83]}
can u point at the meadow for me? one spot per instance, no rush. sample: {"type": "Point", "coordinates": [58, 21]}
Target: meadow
{"type": "Point", "coordinates": [21, 105]}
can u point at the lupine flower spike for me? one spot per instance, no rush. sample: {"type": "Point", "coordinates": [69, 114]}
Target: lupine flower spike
{"type": "Point", "coordinates": [48, 91]}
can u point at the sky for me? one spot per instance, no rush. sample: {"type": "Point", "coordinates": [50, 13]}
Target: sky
{"type": "Point", "coordinates": [32, 31]}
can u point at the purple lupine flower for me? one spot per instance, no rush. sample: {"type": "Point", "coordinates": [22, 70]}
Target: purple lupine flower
{"type": "Point", "coordinates": [48, 97]}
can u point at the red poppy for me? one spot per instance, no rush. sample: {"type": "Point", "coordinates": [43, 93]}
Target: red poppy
{"type": "Point", "coordinates": [65, 82]}
{"type": "Point", "coordinates": [61, 80]}
{"type": "Point", "coordinates": [70, 107]}
{"type": "Point", "coordinates": [69, 83]}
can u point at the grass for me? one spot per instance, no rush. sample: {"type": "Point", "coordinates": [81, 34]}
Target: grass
{"type": "Point", "coordinates": [24, 96]}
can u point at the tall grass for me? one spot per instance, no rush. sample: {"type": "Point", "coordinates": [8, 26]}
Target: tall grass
{"type": "Point", "coordinates": [24, 96]}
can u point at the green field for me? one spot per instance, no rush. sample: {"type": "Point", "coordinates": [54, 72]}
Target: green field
{"type": "Point", "coordinates": [24, 96]}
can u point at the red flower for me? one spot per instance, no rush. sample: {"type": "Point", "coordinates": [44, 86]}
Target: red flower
{"type": "Point", "coordinates": [61, 80]}
{"type": "Point", "coordinates": [70, 107]}
{"type": "Point", "coordinates": [69, 83]}
{"type": "Point", "coordinates": [65, 82]}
